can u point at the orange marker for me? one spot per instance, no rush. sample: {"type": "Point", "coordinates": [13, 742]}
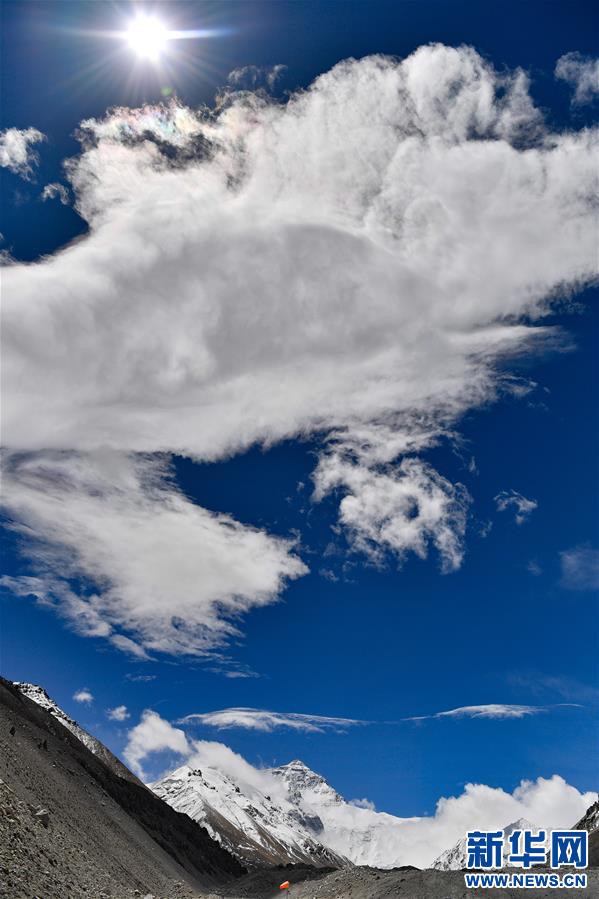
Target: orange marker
{"type": "Point", "coordinates": [285, 886]}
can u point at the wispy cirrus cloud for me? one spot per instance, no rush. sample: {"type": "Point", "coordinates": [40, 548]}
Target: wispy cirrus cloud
{"type": "Point", "coordinates": [582, 74]}
{"type": "Point", "coordinates": [491, 710]}
{"type": "Point", "coordinates": [580, 568]}
{"type": "Point", "coordinates": [16, 150]}
{"type": "Point", "coordinates": [543, 684]}
{"type": "Point", "coordinates": [511, 499]}
{"type": "Point", "coordinates": [253, 77]}
{"type": "Point", "coordinates": [56, 191]}
{"type": "Point", "coordinates": [267, 722]}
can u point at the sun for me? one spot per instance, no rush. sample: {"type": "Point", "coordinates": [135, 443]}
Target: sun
{"type": "Point", "coordinates": [148, 37]}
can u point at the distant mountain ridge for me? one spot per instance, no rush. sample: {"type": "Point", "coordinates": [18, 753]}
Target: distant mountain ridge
{"type": "Point", "coordinates": [304, 820]}
{"type": "Point", "coordinates": [456, 858]}
{"type": "Point", "coordinates": [590, 819]}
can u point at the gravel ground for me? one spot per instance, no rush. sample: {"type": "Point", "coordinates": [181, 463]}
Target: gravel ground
{"type": "Point", "coordinates": [369, 883]}
{"type": "Point", "coordinates": [70, 828]}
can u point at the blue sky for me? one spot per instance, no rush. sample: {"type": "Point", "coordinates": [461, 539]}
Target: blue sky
{"type": "Point", "coordinates": [516, 623]}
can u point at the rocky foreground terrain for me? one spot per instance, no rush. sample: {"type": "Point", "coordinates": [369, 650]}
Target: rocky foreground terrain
{"type": "Point", "coordinates": [370, 883]}
{"type": "Point", "coordinates": [72, 826]}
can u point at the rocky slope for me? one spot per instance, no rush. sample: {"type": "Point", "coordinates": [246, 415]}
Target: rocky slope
{"type": "Point", "coordinates": [590, 819]}
{"type": "Point", "coordinates": [39, 695]}
{"type": "Point", "coordinates": [590, 822]}
{"type": "Point", "coordinates": [70, 827]}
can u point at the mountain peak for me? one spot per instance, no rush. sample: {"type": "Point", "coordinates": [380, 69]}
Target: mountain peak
{"type": "Point", "coordinates": [297, 763]}
{"type": "Point", "coordinates": [40, 696]}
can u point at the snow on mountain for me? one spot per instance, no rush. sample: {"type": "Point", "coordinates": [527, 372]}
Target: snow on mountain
{"type": "Point", "coordinates": [295, 816]}
{"type": "Point", "coordinates": [256, 827]}
{"type": "Point", "coordinates": [364, 836]}
{"type": "Point", "coordinates": [456, 858]}
{"type": "Point", "coordinates": [39, 695]}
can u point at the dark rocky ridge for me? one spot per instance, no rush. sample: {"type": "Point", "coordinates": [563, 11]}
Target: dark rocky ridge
{"type": "Point", "coordinates": [69, 826]}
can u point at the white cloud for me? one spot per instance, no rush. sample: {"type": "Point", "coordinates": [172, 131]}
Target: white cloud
{"type": "Point", "coordinates": [580, 568]}
{"type": "Point", "coordinates": [363, 803]}
{"type": "Point", "coordinates": [170, 575]}
{"type": "Point", "coordinates": [252, 77]}
{"type": "Point", "coordinates": [239, 675]}
{"type": "Point", "coordinates": [400, 510]}
{"type": "Point", "coordinates": [83, 696]}
{"type": "Point", "coordinates": [210, 754]}
{"type": "Point", "coordinates": [512, 499]}
{"type": "Point", "coordinates": [262, 720]}
{"type": "Point", "coordinates": [56, 191]}
{"type": "Point", "coordinates": [490, 710]}
{"type": "Point", "coordinates": [16, 153]}
{"type": "Point", "coordinates": [582, 73]}
{"type": "Point", "coordinates": [233, 290]}
{"type": "Point", "coordinates": [153, 734]}
{"type": "Point", "coordinates": [118, 713]}
{"type": "Point", "coordinates": [548, 802]}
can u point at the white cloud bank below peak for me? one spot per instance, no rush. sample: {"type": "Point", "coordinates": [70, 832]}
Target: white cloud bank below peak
{"type": "Point", "coordinates": [350, 264]}
{"type": "Point", "coordinates": [354, 829]}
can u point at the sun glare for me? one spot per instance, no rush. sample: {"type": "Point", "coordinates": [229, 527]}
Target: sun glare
{"type": "Point", "coordinates": [148, 37]}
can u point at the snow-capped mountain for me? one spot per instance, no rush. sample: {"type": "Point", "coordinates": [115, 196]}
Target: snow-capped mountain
{"type": "Point", "coordinates": [590, 819]}
{"type": "Point", "coordinates": [456, 858]}
{"type": "Point", "coordinates": [362, 835]}
{"type": "Point", "coordinates": [248, 821]}
{"type": "Point", "coordinates": [294, 814]}
{"type": "Point", "coordinates": [39, 695]}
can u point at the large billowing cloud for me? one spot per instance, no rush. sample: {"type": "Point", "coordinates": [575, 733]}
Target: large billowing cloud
{"type": "Point", "coordinates": [350, 264]}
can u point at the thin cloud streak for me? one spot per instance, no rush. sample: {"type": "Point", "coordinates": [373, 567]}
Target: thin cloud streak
{"type": "Point", "coordinates": [494, 711]}
{"type": "Point", "coordinates": [267, 722]}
